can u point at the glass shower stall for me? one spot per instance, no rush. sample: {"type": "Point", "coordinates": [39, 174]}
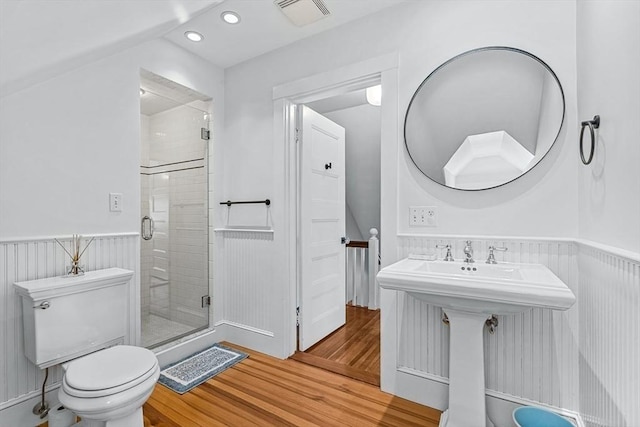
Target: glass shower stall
{"type": "Point", "coordinates": [174, 277]}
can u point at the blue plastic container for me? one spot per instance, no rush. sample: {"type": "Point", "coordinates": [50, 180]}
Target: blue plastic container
{"type": "Point", "coordinates": [529, 416]}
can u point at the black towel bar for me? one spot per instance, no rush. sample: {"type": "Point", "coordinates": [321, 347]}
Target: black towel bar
{"type": "Point", "coordinates": [229, 202]}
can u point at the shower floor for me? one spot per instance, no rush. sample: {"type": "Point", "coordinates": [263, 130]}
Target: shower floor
{"type": "Point", "coordinates": [157, 330]}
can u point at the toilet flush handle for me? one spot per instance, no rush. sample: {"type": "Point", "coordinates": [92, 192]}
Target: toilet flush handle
{"type": "Point", "coordinates": [44, 305]}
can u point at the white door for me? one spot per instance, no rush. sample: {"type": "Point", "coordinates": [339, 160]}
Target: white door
{"type": "Point", "coordinates": [322, 226]}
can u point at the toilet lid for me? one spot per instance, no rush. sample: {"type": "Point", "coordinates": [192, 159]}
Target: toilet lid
{"type": "Point", "coordinates": [109, 368]}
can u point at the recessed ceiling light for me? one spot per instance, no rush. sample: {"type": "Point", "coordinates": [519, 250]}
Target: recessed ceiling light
{"type": "Point", "coordinates": [193, 36]}
{"type": "Point", "coordinates": [230, 17]}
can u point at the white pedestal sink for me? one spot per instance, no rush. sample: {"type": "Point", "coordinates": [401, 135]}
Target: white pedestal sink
{"type": "Point", "coordinates": [469, 294]}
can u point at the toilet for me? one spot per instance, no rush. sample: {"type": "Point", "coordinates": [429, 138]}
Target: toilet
{"type": "Point", "coordinates": [81, 322]}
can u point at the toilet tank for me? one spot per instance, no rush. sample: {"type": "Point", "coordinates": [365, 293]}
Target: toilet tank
{"type": "Point", "coordinates": [67, 317]}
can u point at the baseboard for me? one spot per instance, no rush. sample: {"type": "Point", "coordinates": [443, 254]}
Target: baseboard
{"type": "Point", "coordinates": [433, 391]}
{"type": "Point", "coordinates": [245, 328]}
{"type": "Point", "coordinates": [19, 411]}
{"type": "Point", "coordinates": [256, 339]}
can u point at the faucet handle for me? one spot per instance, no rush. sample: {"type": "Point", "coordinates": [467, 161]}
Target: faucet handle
{"type": "Point", "coordinates": [448, 256]}
{"type": "Point", "coordinates": [468, 248]}
{"type": "Point", "coordinates": [491, 259]}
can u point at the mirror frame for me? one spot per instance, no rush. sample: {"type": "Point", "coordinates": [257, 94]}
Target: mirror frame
{"type": "Point", "coordinates": [473, 51]}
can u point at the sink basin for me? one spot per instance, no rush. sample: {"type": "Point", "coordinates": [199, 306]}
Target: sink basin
{"type": "Point", "coordinates": [469, 294]}
{"type": "Point", "coordinates": [505, 288]}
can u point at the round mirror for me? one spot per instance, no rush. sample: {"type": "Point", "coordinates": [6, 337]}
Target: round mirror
{"type": "Point", "coordinates": [484, 118]}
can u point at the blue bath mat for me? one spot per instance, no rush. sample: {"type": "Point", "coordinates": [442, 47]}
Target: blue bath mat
{"type": "Point", "coordinates": [192, 371]}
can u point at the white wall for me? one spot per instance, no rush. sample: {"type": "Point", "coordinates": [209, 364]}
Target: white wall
{"type": "Point", "coordinates": [608, 55]}
{"type": "Point", "coordinates": [544, 203]}
{"type": "Point", "coordinates": [69, 141]}
{"type": "Point", "coordinates": [65, 143]}
{"type": "Point", "coordinates": [609, 85]}
{"type": "Point", "coordinates": [362, 147]}
{"type": "Point", "coordinates": [424, 34]}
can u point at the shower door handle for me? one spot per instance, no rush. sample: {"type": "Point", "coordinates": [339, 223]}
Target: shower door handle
{"type": "Point", "coordinates": [146, 232]}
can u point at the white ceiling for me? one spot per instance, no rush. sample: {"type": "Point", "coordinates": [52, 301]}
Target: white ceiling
{"type": "Point", "coordinates": [40, 39]}
{"type": "Point", "coordinates": [263, 28]}
{"type": "Point", "coordinates": [43, 38]}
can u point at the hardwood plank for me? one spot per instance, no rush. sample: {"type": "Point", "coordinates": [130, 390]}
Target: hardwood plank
{"type": "Point", "coordinates": [339, 401]}
{"type": "Point", "coordinates": [154, 418]}
{"type": "Point", "coordinates": [265, 391]}
{"type": "Point", "coordinates": [353, 350]}
{"type": "Point", "coordinates": [360, 390]}
{"type": "Point", "coordinates": [337, 368]}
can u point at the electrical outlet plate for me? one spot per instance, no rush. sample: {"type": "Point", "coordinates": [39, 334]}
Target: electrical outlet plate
{"type": "Point", "coordinates": [423, 216]}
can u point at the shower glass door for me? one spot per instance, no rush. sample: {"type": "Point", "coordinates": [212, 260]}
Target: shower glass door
{"type": "Point", "coordinates": [174, 214]}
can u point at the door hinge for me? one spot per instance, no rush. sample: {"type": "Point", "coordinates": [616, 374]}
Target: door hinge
{"type": "Point", "coordinates": [205, 301]}
{"type": "Point", "coordinates": [297, 133]}
{"type": "Point", "coordinates": [297, 316]}
{"type": "Point", "coordinates": [204, 134]}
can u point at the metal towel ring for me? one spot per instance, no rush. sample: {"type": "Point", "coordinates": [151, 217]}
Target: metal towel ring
{"type": "Point", "coordinates": [593, 124]}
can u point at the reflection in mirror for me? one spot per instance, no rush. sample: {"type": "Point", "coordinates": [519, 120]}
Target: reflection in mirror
{"type": "Point", "coordinates": [484, 118]}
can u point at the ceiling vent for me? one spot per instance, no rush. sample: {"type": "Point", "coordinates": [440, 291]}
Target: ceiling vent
{"type": "Point", "coordinates": [303, 12]}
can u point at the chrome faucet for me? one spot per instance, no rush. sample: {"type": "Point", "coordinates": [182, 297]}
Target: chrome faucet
{"type": "Point", "coordinates": [468, 252]}
{"type": "Point", "coordinates": [448, 256]}
{"type": "Point", "coordinates": [491, 259]}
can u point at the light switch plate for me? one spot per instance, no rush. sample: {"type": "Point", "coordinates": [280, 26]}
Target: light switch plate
{"type": "Point", "coordinates": [115, 202]}
{"type": "Point", "coordinates": [423, 216]}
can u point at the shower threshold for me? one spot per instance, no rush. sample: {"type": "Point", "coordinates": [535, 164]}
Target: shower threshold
{"type": "Point", "coordinates": [158, 331]}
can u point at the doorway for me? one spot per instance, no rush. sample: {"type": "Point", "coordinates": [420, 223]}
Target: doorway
{"type": "Point", "coordinates": [174, 212]}
{"type": "Point", "coordinates": [351, 348]}
{"type": "Point", "coordinates": [377, 70]}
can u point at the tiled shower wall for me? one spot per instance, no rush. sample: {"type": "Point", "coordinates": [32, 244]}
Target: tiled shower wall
{"type": "Point", "coordinates": [169, 137]}
{"type": "Point", "coordinates": [584, 359]}
{"type": "Point", "coordinates": [37, 259]}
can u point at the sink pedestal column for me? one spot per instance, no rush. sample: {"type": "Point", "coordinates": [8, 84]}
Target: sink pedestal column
{"type": "Point", "coordinates": [467, 406]}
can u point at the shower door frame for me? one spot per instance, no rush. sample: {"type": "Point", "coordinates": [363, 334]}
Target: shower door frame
{"type": "Point", "coordinates": [179, 166]}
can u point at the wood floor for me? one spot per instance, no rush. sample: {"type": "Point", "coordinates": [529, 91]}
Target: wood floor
{"type": "Point", "coordinates": [265, 391]}
{"type": "Point", "coordinates": [353, 350]}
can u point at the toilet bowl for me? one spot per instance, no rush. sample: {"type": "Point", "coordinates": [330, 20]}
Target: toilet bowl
{"type": "Point", "coordinates": [108, 388]}
{"type": "Point", "coordinates": [81, 322]}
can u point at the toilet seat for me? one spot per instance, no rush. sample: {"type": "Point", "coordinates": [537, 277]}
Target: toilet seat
{"type": "Point", "coordinates": [109, 371]}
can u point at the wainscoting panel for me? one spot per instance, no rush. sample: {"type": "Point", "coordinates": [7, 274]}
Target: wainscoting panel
{"type": "Point", "coordinates": [247, 276]}
{"type": "Point", "coordinates": [37, 259]}
{"type": "Point", "coordinates": [531, 355]}
{"type": "Point", "coordinates": [609, 338]}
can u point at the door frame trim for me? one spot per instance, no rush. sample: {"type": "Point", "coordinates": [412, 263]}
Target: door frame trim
{"type": "Point", "coordinates": [379, 70]}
